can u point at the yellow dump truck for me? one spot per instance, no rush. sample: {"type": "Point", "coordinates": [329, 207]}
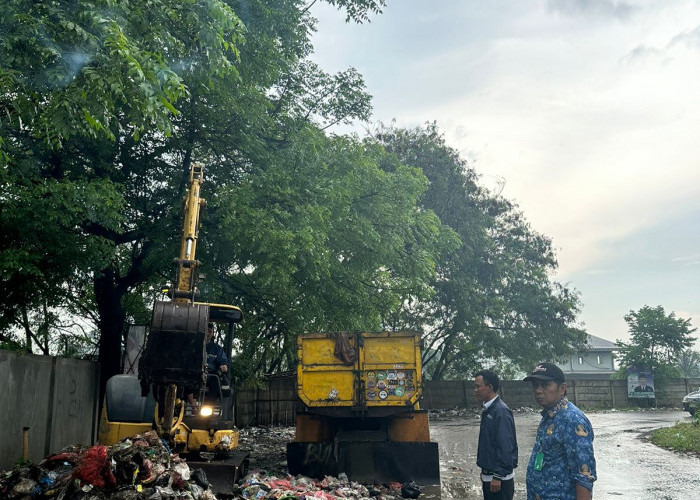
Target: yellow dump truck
{"type": "Point", "coordinates": [361, 394]}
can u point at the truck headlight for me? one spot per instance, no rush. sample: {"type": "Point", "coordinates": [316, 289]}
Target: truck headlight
{"type": "Point", "coordinates": [206, 411]}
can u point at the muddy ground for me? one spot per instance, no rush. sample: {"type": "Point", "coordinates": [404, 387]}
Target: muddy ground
{"type": "Point", "coordinates": [629, 467]}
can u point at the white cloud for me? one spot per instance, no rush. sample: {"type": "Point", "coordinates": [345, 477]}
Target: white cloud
{"type": "Point", "coordinates": [688, 260]}
{"type": "Point", "coordinates": [690, 39]}
{"type": "Point", "coordinates": [606, 8]}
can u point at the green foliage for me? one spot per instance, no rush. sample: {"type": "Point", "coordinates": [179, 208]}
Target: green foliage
{"type": "Point", "coordinates": [689, 363]}
{"type": "Point", "coordinates": [324, 239]}
{"type": "Point", "coordinates": [681, 437]}
{"type": "Point", "coordinates": [359, 10]}
{"type": "Point", "coordinates": [82, 69]}
{"type": "Point", "coordinates": [42, 249]}
{"type": "Point", "coordinates": [493, 297]}
{"type": "Point", "coordinates": [8, 343]}
{"type": "Point", "coordinates": [657, 340]}
{"type": "Point", "coordinates": [21, 462]}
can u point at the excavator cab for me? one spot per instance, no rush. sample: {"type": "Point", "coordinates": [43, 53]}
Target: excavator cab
{"type": "Point", "coordinates": [173, 365]}
{"type": "Point", "coordinates": [215, 391]}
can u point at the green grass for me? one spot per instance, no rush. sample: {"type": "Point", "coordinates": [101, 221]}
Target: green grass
{"type": "Point", "coordinates": [680, 437]}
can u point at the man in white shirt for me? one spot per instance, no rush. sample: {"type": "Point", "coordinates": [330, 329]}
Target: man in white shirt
{"type": "Point", "coordinates": [497, 453]}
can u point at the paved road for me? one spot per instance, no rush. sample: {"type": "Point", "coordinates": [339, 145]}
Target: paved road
{"type": "Point", "coordinates": [628, 467]}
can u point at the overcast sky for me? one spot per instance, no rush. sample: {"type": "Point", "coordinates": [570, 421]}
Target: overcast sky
{"type": "Point", "coordinates": [584, 113]}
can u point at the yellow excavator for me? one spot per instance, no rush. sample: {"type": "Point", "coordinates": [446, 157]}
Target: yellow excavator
{"type": "Point", "coordinates": [173, 365]}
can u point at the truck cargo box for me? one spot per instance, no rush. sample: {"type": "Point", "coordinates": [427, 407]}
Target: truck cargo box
{"type": "Point", "coordinates": [381, 370]}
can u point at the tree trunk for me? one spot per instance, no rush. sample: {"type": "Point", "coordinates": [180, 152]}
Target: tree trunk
{"type": "Point", "coordinates": [108, 296]}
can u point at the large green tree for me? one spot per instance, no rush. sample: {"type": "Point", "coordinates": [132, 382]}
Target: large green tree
{"type": "Point", "coordinates": [657, 339]}
{"type": "Point", "coordinates": [323, 242]}
{"type": "Point", "coordinates": [494, 297]}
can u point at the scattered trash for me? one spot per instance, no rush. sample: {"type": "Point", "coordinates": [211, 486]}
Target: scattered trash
{"type": "Point", "coordinates": [143, 468]}
{"type": "Point", "coordinates": [459, 413]}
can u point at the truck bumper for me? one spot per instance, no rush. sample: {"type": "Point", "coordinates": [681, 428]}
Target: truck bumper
{"type": "Point", "coordinates": [372, 462]}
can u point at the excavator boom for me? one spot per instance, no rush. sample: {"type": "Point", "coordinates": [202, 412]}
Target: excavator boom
{"type": "Point", "coordinates": [187, 265]}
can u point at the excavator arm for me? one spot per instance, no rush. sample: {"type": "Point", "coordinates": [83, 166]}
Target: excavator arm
{"type": "Point", "coordinates": [174, 359]}
{"type": "Point", "coordinates": [187, 265]}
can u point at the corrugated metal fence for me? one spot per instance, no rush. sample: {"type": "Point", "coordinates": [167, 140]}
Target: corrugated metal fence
{"type": "Point", "coordinates": [275, 403]}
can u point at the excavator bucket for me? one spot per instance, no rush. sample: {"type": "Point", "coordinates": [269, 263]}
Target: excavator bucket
{"type": "Point", "coordinates": [175, 350]}
{"type": "Point", "coordinates": [223, 474]}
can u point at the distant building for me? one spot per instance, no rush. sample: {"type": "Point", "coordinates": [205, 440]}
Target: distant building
{"type": "Point", "coordinates": [595, 360]}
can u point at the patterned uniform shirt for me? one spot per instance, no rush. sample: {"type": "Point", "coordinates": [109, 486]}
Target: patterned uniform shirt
{"type": "Point", "coordinates": [565, 439]}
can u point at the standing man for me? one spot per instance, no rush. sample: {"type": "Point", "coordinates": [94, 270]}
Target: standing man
{"type": "Point", "coordinates": [562, 464]}
{"type": "Point", "coordinates": [497, 454]}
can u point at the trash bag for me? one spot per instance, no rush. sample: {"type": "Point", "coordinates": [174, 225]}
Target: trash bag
{"type": "Point", "coordinates": [96, 468]}
{"type": "Point", "coordinates": [343, 350]}
{"type": "Point", "coordinates": [410, 490]}
{"type": "Point", "coordinates": [200, 478]}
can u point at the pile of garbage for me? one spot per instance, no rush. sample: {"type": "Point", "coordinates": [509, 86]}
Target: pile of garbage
{"type": "Point", "coordinates": [259, 486]}
{"type": "Point", "coordinates": [143, 468]}
{"type": "Point", "coordinates": [267, 447]}
{"type": "Point", "coordinates": [140, 467]}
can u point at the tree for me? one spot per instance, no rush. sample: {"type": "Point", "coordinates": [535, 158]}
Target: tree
{"type": "Point", "coordinates": [657, 340]}
{"type": "Point", "coordinates": [322, 239]}
{"type": "Point", "coordinates": [493, 294]}
{"type": "Point", "coordinates": [689, 364]}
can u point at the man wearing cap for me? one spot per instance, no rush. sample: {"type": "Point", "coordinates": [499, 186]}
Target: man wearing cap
{"type": "Point", "coordinates": [562, 464]}
{"type": "Point", "coordinates": [497, 454]}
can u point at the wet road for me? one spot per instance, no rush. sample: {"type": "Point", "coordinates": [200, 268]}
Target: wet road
{"type": "Point", "coordinates": [628, 467]}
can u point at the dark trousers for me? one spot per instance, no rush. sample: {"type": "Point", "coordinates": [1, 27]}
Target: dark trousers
{"type": "Point", "coordinates": [506, 492]}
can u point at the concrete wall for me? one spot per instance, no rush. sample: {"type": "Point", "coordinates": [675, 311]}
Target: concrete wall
{"type": "Point", "coordinates": [53, 397]}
